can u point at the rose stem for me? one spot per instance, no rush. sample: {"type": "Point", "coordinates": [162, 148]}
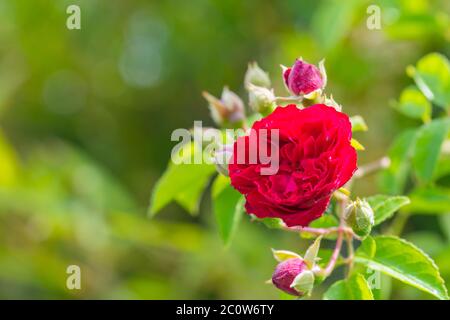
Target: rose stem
{"type": "Point", "coordinates": [351, 254]}
{"type": "Point", "coordinates": [320, 231]}
{"type": "Point", "coordinates": [329, 268]}
{"type": "Point", "coordinates": [288, 99]}
{"type": "Point", "coordinates": [371, 167]}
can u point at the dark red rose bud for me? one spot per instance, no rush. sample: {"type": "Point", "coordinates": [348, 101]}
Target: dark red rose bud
{"type": "Point", "coordinates": [285, 273]}
{"type": "Point", "coordinates": [303, 78]}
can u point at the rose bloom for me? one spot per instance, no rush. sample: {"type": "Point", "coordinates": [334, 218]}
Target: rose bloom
{"type": "Point", "coordinates": [315, 159]}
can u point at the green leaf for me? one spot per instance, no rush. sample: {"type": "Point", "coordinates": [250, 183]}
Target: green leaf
{"type": "Point", "coordinates": [431, 240]}
{"type": "Point", "coordinates": [427, 148]}
{"type": "Point", "coordinates": [183, 183]}
{"type": "Point", "coordinates": [393, 179]}
{"type": "Point", "coordinates": [271, 223]}
{"type": "Point", "coordinates": [358, 124]}
{"type": "Point", "coordinates": [8, 162]}
{"type": "Point", "coordinates": [414, 104]}
{"type": "Point", "coordinates": [432, 76]}
{"type": "Point", "coordinates": [228, 206]}
{"type": "Point", "coordinates": [332, 21]}
{"type": "Point", "coordinates": [403, 261]}
{"type": "Point", "coordinates": [429, 200]}
{"type": "Point", "coordinates": [190, 198]}
{"type": "Point", "coordinates": [414, 25]}
{"type": "Point", "coordinates": [444, 222]}
{"type": "Point", "coordinates": [442, 167]}
{"type": "Point", "coordinates": [384, 206]}
{"type": "Point", "coordinates": [353, 288]}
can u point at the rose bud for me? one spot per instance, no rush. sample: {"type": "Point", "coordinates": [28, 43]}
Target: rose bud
{"type": "Point", "coordinates": [256, 76]}
{"type": "Point", "coordinates": [261, 99]}
{"type": "Point", "coordinates": [304, 78]}
{"type": "Point", "coordinates": [228, 111]}
{"type": "Point", "coordinates": [293, 277]}
{"type": "Point", "coordinates": [359, 216]}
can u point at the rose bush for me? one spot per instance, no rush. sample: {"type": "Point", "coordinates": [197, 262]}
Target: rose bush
{"type": "Point", "coordinates": [297, 165]}
{"type": "Point", "coordinates": [315, 159]}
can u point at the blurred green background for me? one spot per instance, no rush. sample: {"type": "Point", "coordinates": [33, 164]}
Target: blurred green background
{"type": "Point", "coordinates": [86, 117]}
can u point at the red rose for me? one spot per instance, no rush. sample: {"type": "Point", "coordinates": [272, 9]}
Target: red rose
{"type": "Point", "coordinates": [303, 78]}
{"type": "Point", "coordinates": [315, 159]}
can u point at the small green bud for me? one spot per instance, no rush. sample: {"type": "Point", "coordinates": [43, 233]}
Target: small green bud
{"type": "Point", "coordinates": [256, 76]}
{"type": "Point", "coordinates": [359, 216]}
{"type": "Point", "coordinates": [261, 99]}
{"type": "Point", "coordinates": [228, 111]}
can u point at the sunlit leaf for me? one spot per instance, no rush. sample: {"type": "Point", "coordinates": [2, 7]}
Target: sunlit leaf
{"type": "Point", "coordinates": [403, 261]}
{"type": "Point", "coordinates": [414, 104]}
{"type": "Point", "coordinates": [384, 206]}
{"type": "Point", "coordinates": [432, 76]}
{"type": "Point", "coordinates": [393, 179]}
{"type": "Point", "coordinates": [228, 206]}
{"type": "Point", "coordinates": [332, 20]}
{"type": "Point", "coordinates": [427, 148]}
{"type": "Point", "coordinates": [175, 182]}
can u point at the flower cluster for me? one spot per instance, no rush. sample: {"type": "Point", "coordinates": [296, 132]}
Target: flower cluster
{"type": "Point", "coordinates": [315, 156]}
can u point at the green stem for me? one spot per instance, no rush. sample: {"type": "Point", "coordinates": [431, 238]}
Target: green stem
{"type": "Point", "coordinates": [351, 254]}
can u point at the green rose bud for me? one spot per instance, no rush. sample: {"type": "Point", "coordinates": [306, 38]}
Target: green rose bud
{"type": "Point", "coordinates": [261, 99]}
{"type": "Point", "coordinates": [359, 216]}
{"type": "Point", "coordinates": [256, 76]}
{"type": "Point", "coordinates": [228, 111]}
